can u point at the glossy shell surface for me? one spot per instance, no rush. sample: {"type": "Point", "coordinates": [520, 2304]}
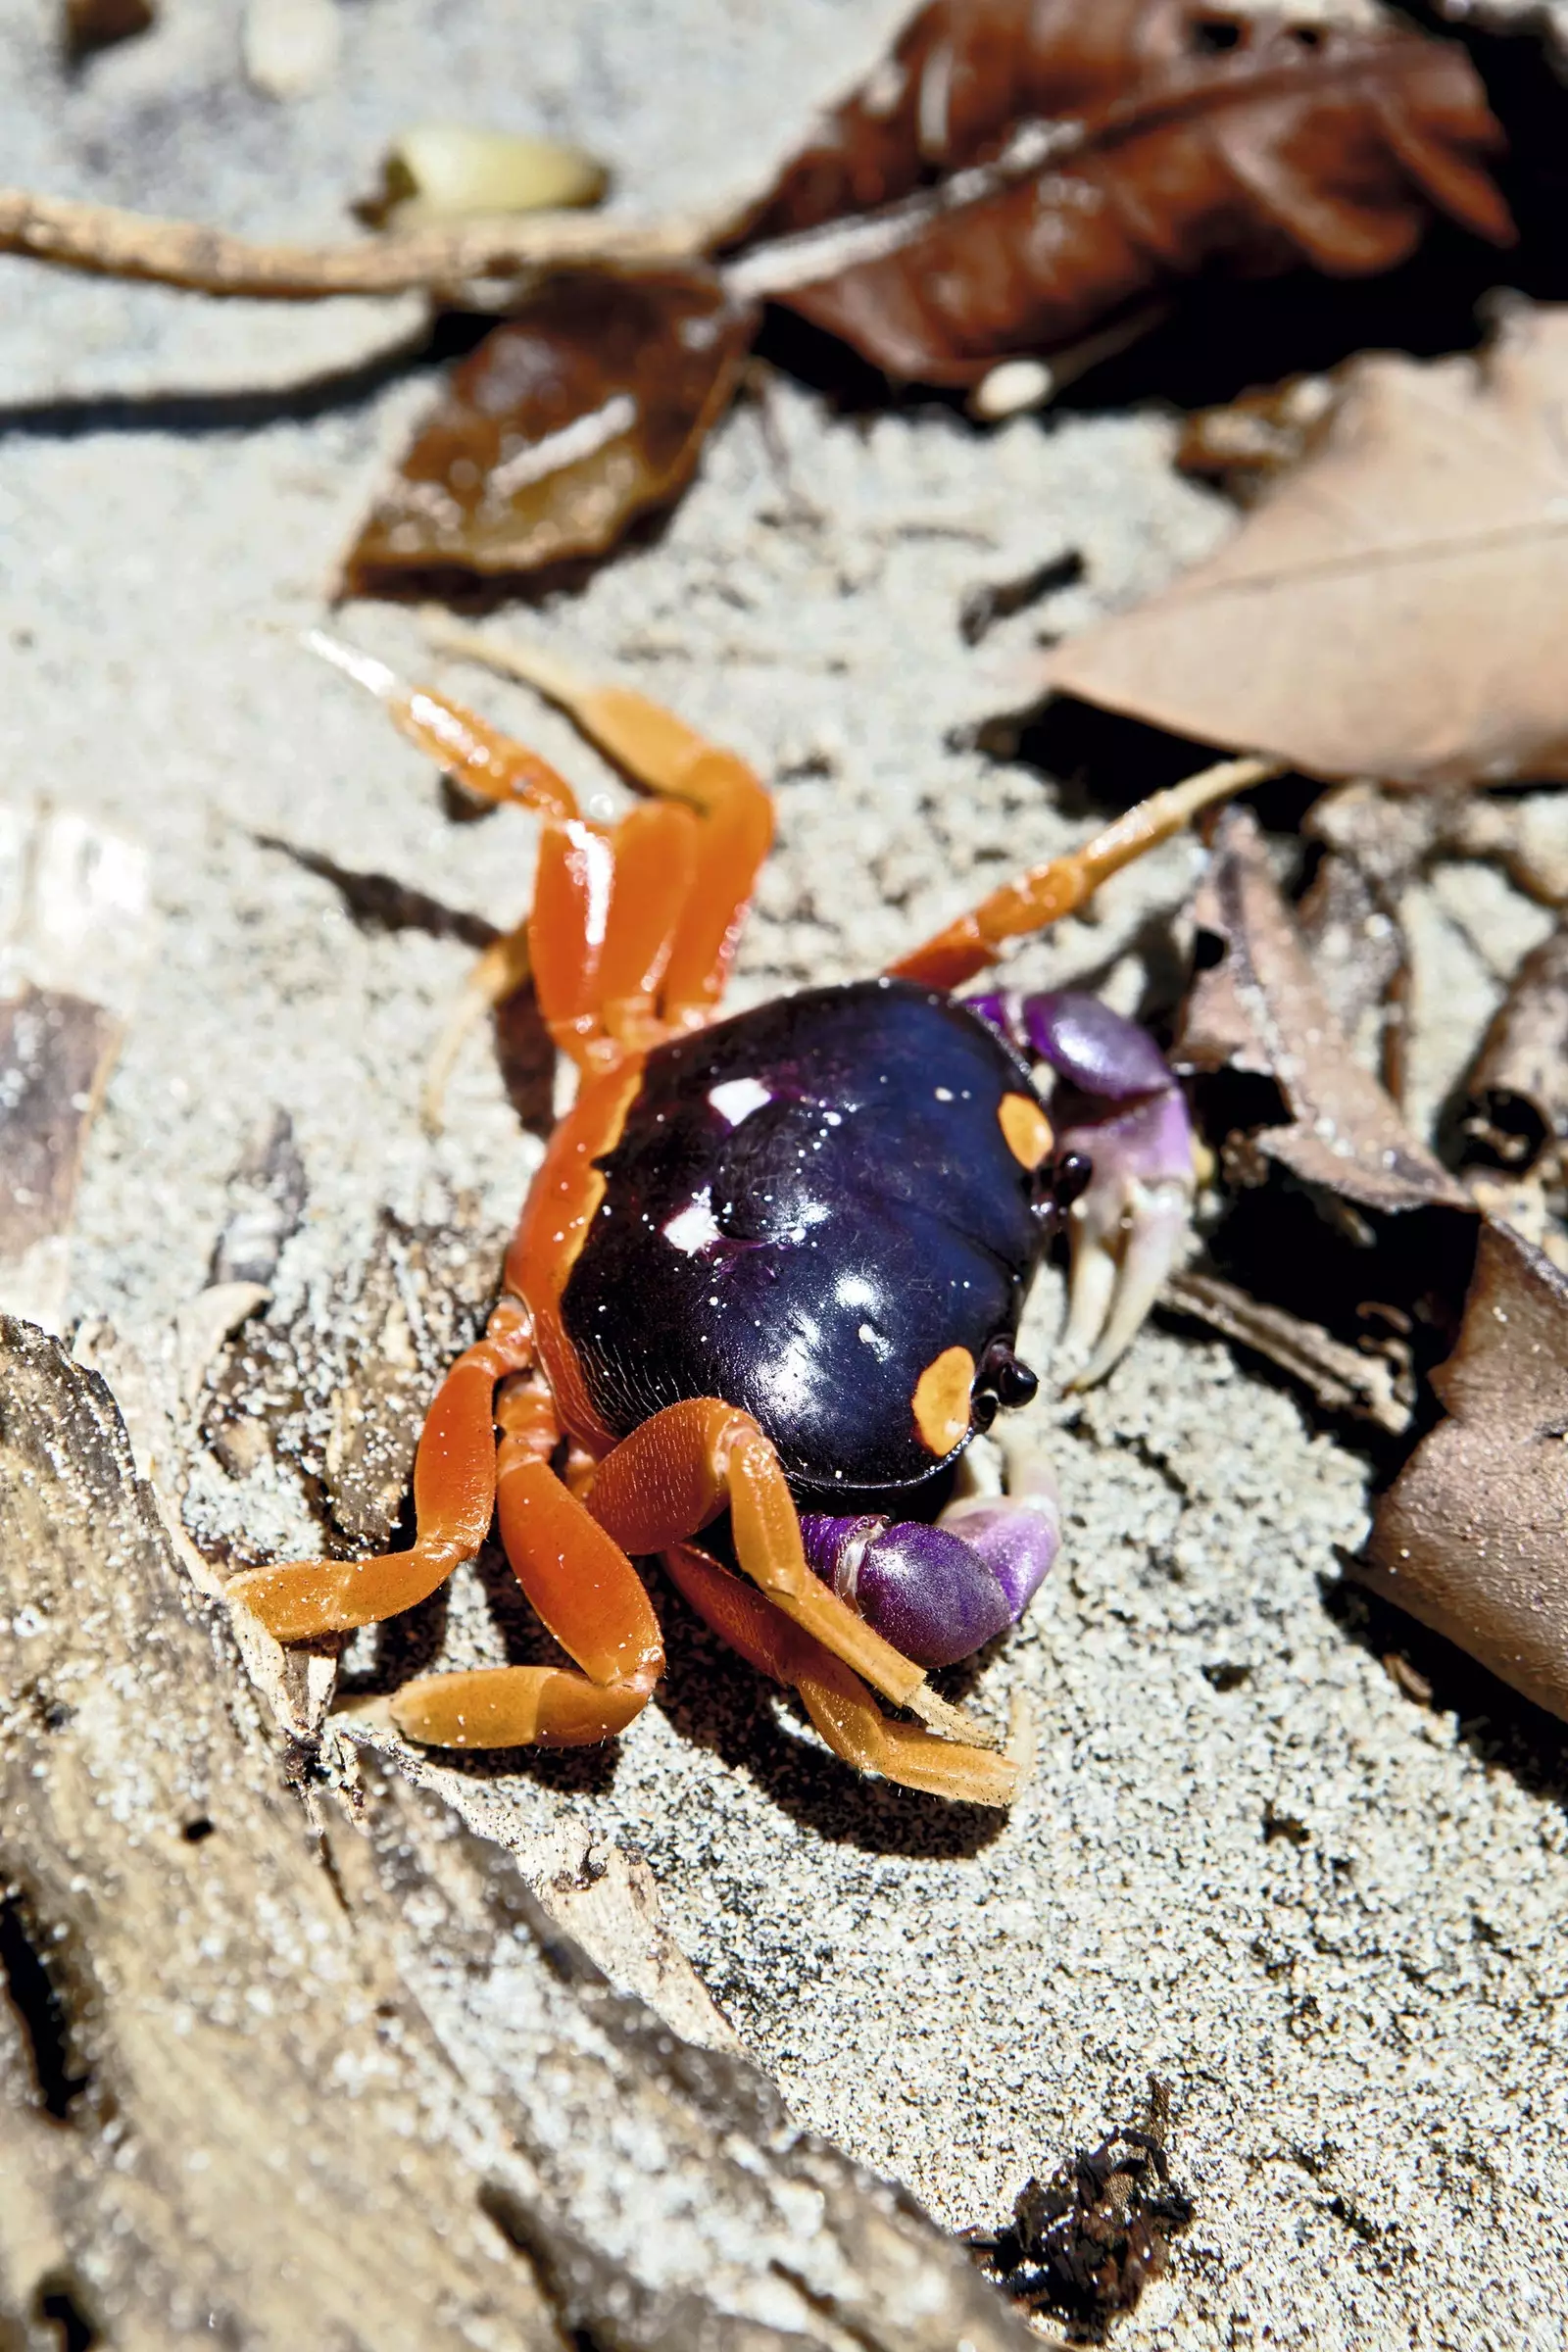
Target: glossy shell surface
{"type": "Point", "coordinates": [809, 1208]}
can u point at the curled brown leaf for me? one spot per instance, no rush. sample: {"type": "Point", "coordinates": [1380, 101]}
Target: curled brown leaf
{"type": "Point", "coordinates": [566, 424]}
{"type": "Point", "coordinates": [957, 80]}
{"type": "Point", "coordinates": [1166, 152]}
{"type": "Point", "coordinates": [1470, 1539]}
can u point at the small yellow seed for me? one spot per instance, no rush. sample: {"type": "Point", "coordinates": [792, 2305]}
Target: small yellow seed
{"type": "Point", "coordinates": [453, 171]}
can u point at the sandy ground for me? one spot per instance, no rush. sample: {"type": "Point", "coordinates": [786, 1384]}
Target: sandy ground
{"type": "Point", "coordinates": [1329, 1917]}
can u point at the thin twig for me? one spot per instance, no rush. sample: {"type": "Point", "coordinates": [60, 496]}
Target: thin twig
{"type": "Point", "coordinates": [110, 243]}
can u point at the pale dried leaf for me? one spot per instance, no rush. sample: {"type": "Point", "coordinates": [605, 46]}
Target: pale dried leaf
{"type": "Point", "coordinates": [1394, 608]}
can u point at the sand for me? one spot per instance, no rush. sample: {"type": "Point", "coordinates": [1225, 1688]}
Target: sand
{"type": "Point", "coordinates": [1329, 1916]}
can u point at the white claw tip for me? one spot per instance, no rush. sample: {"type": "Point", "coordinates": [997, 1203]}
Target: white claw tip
{"type": "Point", "coordinates": [364, 668]}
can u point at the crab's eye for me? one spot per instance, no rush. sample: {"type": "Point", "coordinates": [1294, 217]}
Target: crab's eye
{"type": "Point", "coordinates": [1069, 1177]}
{"type": "Point", "coordinates": [1002, 1378]}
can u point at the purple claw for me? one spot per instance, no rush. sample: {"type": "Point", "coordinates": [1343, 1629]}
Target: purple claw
{"type": "Point", "coordinates": [1093, 1047]}
{"type": "Point", "coordinates": [1116, 1105]}
{"type": "Point", "coordinates": [1017, 1535]}
{"type": "Point", "coordinates": [937, 1595]}
{"type": "Point", "coordinates": [923, 1589]}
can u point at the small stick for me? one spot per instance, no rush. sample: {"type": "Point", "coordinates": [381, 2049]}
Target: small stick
{"type": "Point", "coordinates": [108, 242]}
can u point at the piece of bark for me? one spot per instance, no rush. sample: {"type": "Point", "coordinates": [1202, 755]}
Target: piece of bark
{"type": "Point", "coordinates": [1518, 1088]}
{"type": "Point", "coordinates": [1470, 1537]}
{"type": "Point", "coordinates": [74, 930]}
{"type": "Point", "coordinates": [1166, 151]}
{"type": "Point", "coordinates": [1340, 1379]}
{"type": "Point", "coordinates": [569, 421]}
{"type": "Point", "coordinates": [1391, 607]}
{"type": "Point", "coordinates": [220, 2117]}
{"type": "Point", "coordinates": [1255, 1008]}
{"type": "Point", "coordinates": [338, 1390]}
{"type": "Point", "coordinates": [1353, 936]}
{"type": "Point", "coordinates": [280, 2067]}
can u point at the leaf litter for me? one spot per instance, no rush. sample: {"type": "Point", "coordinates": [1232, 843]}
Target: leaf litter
{"type": "Point", "coordinates": [1007, 184]}
{"type": "Point", "coordinates": [1180, 137]}
{"type": "Point", "coordinates": [1470, 1537]}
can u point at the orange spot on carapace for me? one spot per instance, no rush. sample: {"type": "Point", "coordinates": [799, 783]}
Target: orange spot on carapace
{"type": "Point", "coordinates": [942, 1401]}
{"type": "Point", "coordinates": [1026, 1128]}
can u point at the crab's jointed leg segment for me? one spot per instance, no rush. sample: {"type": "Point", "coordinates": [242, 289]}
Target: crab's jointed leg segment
{"type": "Point", "coordinates": [491, 764]}
{"type": "Point", "coordinates": [675, 1473]}
{"type": "Point", "coordinates": [1043, 896]}
{"type": "Point", "coordinates": [584, 1590]}
{"type": "Point", "coordinates": [837, 1701]}
{"type": "Point", "coordinates": [662, 754]}
{"type": "Point", "coordinates": [454, 1500]}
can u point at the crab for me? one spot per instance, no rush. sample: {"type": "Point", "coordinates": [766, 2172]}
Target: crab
{"type": "Point", "coordinates": [772, 1265]}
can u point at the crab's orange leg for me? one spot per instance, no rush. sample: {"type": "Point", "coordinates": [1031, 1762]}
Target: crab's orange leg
{"type": "Point", "coordinates": [676, 1472]}
{"type": "Point", "coordinates": [489, 763]}
{"type": "Point", "coordinates": [658, 854]}
{"type": "Point", "coordinates": [583, 1588]}
{"type": "Point", "coordinates": [454, 1500]}
{"type": "Point", "coordinates": [837, 1701]}
{"type": "Point", "coordinates": [1047, 893]}
{"type": "Point", "coordinates": [664, 756]}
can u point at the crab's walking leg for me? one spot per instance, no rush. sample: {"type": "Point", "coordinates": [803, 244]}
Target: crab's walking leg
{"type": "Point", "coordinates": [453, 1499]}
{"type": "Point", "coordinates": [664, 756]}
{"type": "Point", "coordinates": [675, 1474]}
{"type": "Point", "coordinates": [586, 1591]}
{"type": "Point", "coordinates": [1047, 893]}
{"type": "Point", "coordinates": [837, 1701]}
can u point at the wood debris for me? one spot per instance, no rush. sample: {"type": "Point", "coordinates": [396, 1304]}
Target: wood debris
{"type": "Point", "coordinates": [76, 929]}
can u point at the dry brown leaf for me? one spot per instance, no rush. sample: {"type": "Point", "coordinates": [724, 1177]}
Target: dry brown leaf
{"type": "Point", "coordinates": [1394, 608]}
{"type": "Point", "coordinates": [1246, 443]}
{"type": "Point", "coordinates": [564, 424]}
{"type": "Point", "coordinates": [1473, 1537]}
{"type": "Point", "coordinates": [1179, 137]}
{"type": "Point", "coordinates": [1257, 1008]}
